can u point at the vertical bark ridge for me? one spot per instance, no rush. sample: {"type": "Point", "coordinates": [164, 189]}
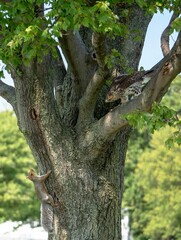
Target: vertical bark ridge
{"type": "Point", "coordinates": [37, 110]}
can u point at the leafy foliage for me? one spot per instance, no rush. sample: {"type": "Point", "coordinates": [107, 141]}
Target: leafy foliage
{"type": "Point", "coordinates": [176, 25]}
{"type": "Point", "coordinates": [23, 23]}
{"type": "Point", "coordinates": [115, 60]}
{"type": "Point", "coordinates": [17, 195]}
{"type": "Point", "coordinates": [159, 117]}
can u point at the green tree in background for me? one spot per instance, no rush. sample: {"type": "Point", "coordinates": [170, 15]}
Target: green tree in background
{"type": "Point", "coordinates": [158, 174]}
{"type": "Point", "coordinates": [152, 185]}
{"type": "Point", "coordinates": [172, 98]}
{"type": "Point", "coordinates": [17, 197]}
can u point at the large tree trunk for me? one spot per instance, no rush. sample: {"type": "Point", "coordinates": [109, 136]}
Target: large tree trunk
{"type": "Point", "coordinates": [91, 194]}
{"type": "Point", "coordinates": [88, 182]}
{"type": "Point", "coordinates": [81, 139]}
{"type": "Point", "coordinates": [89, 189]}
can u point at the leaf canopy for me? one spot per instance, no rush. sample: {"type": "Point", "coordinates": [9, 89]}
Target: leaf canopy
{"type": "Point", "coordinates": [27, 31]}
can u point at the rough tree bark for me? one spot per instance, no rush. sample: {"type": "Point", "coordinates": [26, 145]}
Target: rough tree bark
{"type": "Point", "coordinates": [82, 140]}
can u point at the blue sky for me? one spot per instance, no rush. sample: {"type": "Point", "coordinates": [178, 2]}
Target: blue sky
{"type": "Point", "coordinates": [151, 51]}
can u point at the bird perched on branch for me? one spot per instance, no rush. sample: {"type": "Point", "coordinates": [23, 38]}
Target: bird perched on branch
{"type": "Point", "coordinates": [126, 85]}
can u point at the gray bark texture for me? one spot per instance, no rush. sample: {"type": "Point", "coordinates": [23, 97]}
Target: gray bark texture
{"type": "Point", "coordinates": [74, 133]}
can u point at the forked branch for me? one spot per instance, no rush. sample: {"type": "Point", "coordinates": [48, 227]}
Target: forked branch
{"type": "Point", "coordinates": [106, 128]}
{"type": "Point", "coordinates": [88, 101]}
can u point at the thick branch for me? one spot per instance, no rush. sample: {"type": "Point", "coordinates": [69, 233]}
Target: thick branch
{"type": "Point", "coordinates": [88, 101]}
{"type": "Point", "coordinates": [98, 43]}
{"type": "Point", "coordinates": [106, 128]}
{"type": "Point", "coordinates": [75, 53]}
{"type": "Point", "coordinates": [8, 93]}
{"type": "Point", "coordinates": [169, 68]}
{"type": "Point", "coordinates": [165, 45]}
{"type": "Point", "coordinates": [137, 18]}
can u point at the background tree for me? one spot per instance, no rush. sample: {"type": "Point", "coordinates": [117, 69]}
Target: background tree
{"type": "Point", "coordinates": [62, 113]}
{"type": "Point", "coordinates": [18, 201]}
{"type": "Point", "coordinates": [150, 182]}
{"type": "Point", "coordinates": [158, 173]}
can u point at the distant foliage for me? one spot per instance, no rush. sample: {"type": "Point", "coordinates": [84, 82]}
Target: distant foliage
{"type": "Point", "coordinates": [17, 197]}
{"type": "Point", "coordinates": [158, 175]}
